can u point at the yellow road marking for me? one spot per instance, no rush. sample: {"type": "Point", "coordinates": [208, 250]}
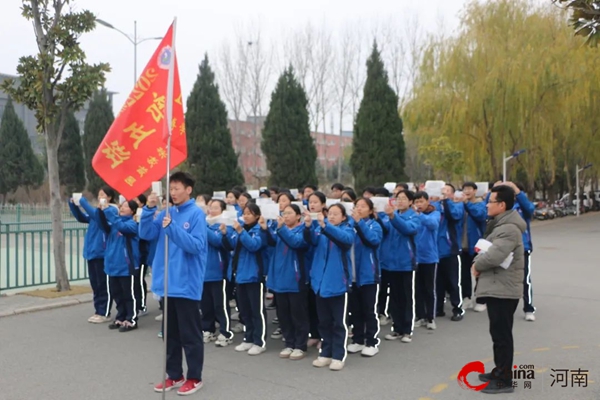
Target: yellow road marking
{"type": "Point", "coordinates": [425, 398]}
{"type": "Point", "coordinates": [517, 353]}
{"type": "Point", "coordinates": [439, 388]}
{"type": "Point", "coordinates": [541, 370]}
{"type": "Point", "coordinates": [542, 349]}
{"type": "Point", "coordinates": [570, 347]}
{"type": "Point", "coordinates": [487, 360]}
{"type": "Point", "coordinates": [454, 377]}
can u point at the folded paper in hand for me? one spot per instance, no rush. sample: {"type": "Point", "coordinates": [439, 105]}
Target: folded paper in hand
{"type": "Point", "coordinates": [482, 246]}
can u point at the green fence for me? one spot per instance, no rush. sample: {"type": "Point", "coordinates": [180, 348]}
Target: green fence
{"type": "Point", "coordinates": [26, 256]}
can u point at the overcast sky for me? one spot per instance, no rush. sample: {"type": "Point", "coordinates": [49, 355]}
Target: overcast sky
{"type": "Point", "coordinates": [204, 26]}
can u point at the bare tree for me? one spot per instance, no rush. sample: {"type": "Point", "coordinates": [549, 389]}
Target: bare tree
{"type": "Point", "coordinates": [260, 69]}
{"type": "Point", "coordinates": [232, 70]}
{"type": "Point", "coordinates": [344, 61]}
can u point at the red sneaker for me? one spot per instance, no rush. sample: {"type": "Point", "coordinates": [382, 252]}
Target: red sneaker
{"type": "Point", "coordinates": [170, 385]}
{"type": "Point", "coordinates": [190, 386]}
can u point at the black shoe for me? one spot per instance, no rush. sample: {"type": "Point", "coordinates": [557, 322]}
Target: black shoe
{"type": "Point", "coordinates": [440, 314]}
{"type": "Point", "coordinates": [457, 317]}
{"type": "Point", "coordinates": [485, 377]}
{"type": "Point", "coordinates": [497, 387]}
{"type": "Point", "coordinates": [127, 328]}
{"type": "Point", "coordinates": [114, 325]}
{"type": "Point", "coordinates": [271, 306]}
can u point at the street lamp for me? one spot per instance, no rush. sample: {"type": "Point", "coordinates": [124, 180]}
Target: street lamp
{"type": "Point", "coordinates": [578, 201]}
{"type": "Point", "coordinates": [506, 159]}
{"type": "Point", "coordinates": [135, 41]}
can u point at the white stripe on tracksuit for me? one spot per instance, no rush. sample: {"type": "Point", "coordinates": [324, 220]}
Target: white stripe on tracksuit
{"type": "Point", "coordinates": [134, 318]}
{"type": "Point", "coordinates": [108, 300]}
{"type": "Point", "coordinates": [460, 297]}
{"type": "Point", "coordinates": [226, 328]}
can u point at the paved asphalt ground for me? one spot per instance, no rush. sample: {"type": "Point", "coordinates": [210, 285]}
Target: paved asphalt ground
{"type": "Point", "coordinates": [57, 355]}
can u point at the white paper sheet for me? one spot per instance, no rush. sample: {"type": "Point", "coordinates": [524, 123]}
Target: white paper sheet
{"type": "Point", "coordinates": [157, 188]}
{"type": "Point", "coordinates": [390, 186]}
{"type": "Point", "coordinates": [254, 193]}
{"type": "Point", "coordinates": [270, 211]}
{"type": "Point", "coordinates": [76, 198]}
{"type": "Point", "coordinates": [262, 201]}
{"type": "Point", "coordinates": [219, 195]}
{"type": "Point", "coordinates": [482, 188]}
{"type": "Point", "coordinates": [380, 203]}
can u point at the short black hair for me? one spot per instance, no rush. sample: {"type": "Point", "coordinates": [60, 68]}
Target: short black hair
{"type": "Point", "coordinates": [402, 185]}
{"type": "Point", "coordinates": [265, 192]}
{"type": "Point", "coordinates": [286, 194]}
{"type": "Point", "coordinates": [142, 198]}
{"type": "Point", "coordinates": [184, 178]}
{"type": "Point", "coordinates": [505, 194]}
{"type": "Point", "coordinates": [469, 184]}
{"type": "Point", "coordinates": [452, 186]}
{"type": "Point", "coordinates": [110, 192]}
{"type": "Point", "coordinates": [337, 186]}
{"type": "Point", "coordinates": [313, 187]}
{"type": "Point", "coordinates": [274, 189]}
{"type": "Point", "coordinates": [254, 209]}
{"type": "Point", "coordinates": [421, 195]}
{"type": "Point", "coordinates": [239, 188]}
{"type": "Point", "coordinates": [382, 192]}
{"type": "Point", "coordinates": [369, 189]}
{"type": "Point", "coordinates": [235, 193]}
{"type": "Point", "coordinates": [350, 194]}
{"type": "Point", "coordinates": [206, 197]}
{"type": "Point", "coordinates": [133, 206]}
{"type": "Point", "coordinates": [221, 203]}
{"type": "Point", "coordinates": [410, 195]}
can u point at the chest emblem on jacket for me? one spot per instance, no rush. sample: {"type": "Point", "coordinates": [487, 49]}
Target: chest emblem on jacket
{"type": "Point", "coordinates": [186, 225]}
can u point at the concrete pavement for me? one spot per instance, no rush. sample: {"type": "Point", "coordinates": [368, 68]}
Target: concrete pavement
{"type": "Point", "coordinates": [56, 354]}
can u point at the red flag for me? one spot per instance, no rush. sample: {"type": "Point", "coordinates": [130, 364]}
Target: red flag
{"type": "Point", "coordinates": [133, 153]}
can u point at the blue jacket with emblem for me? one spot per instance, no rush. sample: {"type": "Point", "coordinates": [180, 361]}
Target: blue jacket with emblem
{"type": "Point", "coordinates": [188, 249]}
{"type": "Point", "coordinates": [399, 250]}
{"type": "Point", "coordinates": [367, 240]}
{"type": "Point", "coordinates": [476, 221]}
{"type": "Point", "coordinates": [94, 243]}
{"type": "Point", "coordinates": [288, 270]}
{"type": "Point", "coordinates": [247, 262]}
{"type": "Point", "coordinates": [218, 258]}
{"type": "Point", "coordinates": [331, 270]}
{"type": "Point", "coordinates": [450, 230]}
{"type": "Point", "coordinates": [122, 256]}
{"type": "Point", "coordinates": [427, 237]}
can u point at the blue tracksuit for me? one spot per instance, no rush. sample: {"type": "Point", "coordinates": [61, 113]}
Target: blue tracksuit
{"type": "Point", "coordinates": [122, 255]}
{"type": "Point", "coordinates": [427, 243]}
{"type": "Point", "coordinates": [188, 249]}
{"type": "Point", "coordinates": [218, 258]}
{"type": "Point", "coordinates": [331, 271]}
{"type": "Point", "coordinates": [476, 222]}
{"type": "Point", "coordinates": [450, 230]}
{"type": "Point", "coordinates": [94, 243]}
{"type": "Point", "coordinates": [248, 259]}
{"type": "Point", "coordinates": [366, 251]}
{"type": "Point", "coordinates": [398, 250]}
{"type": "Point", "coordinates": [288, 272]}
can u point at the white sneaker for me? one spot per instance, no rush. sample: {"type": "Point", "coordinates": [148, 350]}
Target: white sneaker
{"type": "Point", "coordinates": [237, 328]}
{"type": "Point", "coordinates": [209, 337]}
{"type": "Point", "coordinates": [321, 362]}
{"type": "Point", "coordinates": [355, 348]}
{"type": "Point", "coordinates": [406, 339]}
{"type": "Point", "coordinates": [256, 350]}
{"type": "Point", "coordinates": [222, 341]}
{"type": "Point", "coordinates": [93, 318]}
{"type": "Point", "coordinates": [336, 365]}
{"type": "Point", "coordinates": [276, 334]}
{"type": "Point", "coordinates": [286, 353]}
{"type": "Point", "coordinates": [244, 346]}
{"type": "Point", "coordinates": [159, 317]}
{"type": "Point", "coordinates": [393, 336]}
{"type": "Point", "coordinates": [383, 320]}
{"type": "Point", "coordinates": [232, 303]}
{"type": "Point", "coordinates": [369, 351]}
{"type": "Point", "coordinates": [467, 304]}
{"type": "Point", "coordinates": [297, 354]}
{"type": "Point", "coordinates": [431, 326]}
{"type": "Point", "coordinates": [420, 323]}
{"type": "Point", "coordinates": [479, 307]}
{"type": "Point", "coordinates": [235, 316]}
{"type": "Point", "coordinates": [529, 316]}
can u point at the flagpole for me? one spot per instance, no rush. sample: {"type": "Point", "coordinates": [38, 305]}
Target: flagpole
{"type": "Point", "coordinates": [169, 107]}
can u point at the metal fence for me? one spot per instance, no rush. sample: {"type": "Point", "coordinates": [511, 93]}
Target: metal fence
{"type": "Point", "coordinates": [26, 256]}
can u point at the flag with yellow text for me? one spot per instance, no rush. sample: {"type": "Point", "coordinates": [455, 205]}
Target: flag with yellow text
{"type": "Point", "coordinates": [133, 153]}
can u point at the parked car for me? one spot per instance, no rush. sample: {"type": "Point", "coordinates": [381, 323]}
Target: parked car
{"type": "Point", "coordinates": [543, 214]}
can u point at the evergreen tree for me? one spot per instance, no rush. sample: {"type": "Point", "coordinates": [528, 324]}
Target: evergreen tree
{"type": "Point", "coordinates": [70, 157]}
{"type": "Point", "coordinates": [98, 120]}
{"type": "Point", "coordinates": [286, 141]}
{"type": "Point", "coordinates": [18, 164]}
{"type": "Point", "coordinates": [212, 159]}
{"type": "Point", "coordinates": [378, 145]}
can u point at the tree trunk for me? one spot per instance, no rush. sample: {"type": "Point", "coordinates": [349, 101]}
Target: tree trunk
{"type": "Point", "coordinates": [58, 243]}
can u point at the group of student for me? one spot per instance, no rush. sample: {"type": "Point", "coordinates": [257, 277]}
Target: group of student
{"type": "Point", "coordinates": [327, 269]}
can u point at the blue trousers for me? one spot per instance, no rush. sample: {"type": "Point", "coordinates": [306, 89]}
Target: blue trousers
{"type": "Point", "coordinates": [332, 326]}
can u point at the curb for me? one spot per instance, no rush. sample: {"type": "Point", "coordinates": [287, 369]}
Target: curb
{"type": "Point", "coordinates": [43, 307]}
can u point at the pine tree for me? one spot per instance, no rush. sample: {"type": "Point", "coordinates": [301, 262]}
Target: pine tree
{"type": "Point", "coordinates": [378, 145]}
{"type": "Point", "coordinates": [286, 141]}
{"type": "Point", "coordinates": [70, 157]}
{"type": "Point", "coordinates": [98, 120]}
{"type": "Point", "coordinates": [18, 164]}
{"type": "Point", "coordinates": [212, 159]}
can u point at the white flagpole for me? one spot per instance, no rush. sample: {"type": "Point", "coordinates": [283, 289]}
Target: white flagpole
{"type": "Point", "coordinates": [169, 106]}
